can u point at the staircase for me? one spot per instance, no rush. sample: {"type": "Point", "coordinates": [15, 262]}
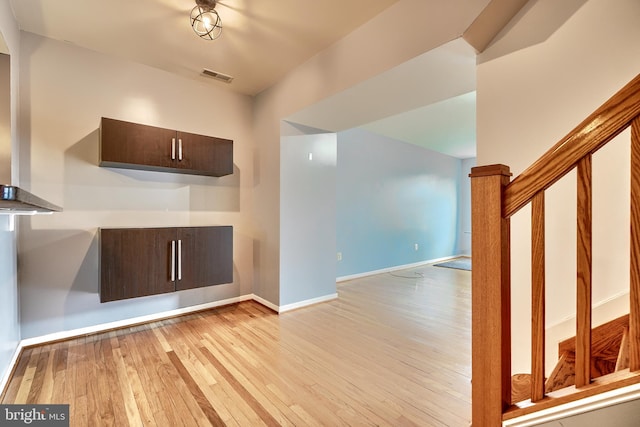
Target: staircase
{"type": "Point", "coordinates": [596, 360]}
{"type": "Point", "coordinates": [609, 354]}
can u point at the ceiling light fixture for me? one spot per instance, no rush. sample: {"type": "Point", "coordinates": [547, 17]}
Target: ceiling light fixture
{"type": "Point", "coordinates": [205, 20]}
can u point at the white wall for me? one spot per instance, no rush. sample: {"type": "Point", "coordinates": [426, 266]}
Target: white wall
{"type": "Point", "coordinates": [550, 68]}
{"type": "Point", "coordinates": [9, 316]}
{"type": "Point", "coordinates": [64, 92]}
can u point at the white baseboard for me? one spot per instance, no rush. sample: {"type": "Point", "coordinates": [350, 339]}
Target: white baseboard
{"type": "Point", "coordinates": [305, 303]}
{"type": "Point", "coordinates": [395, 268]}
{"type": "Point", "coordinates": [266, 303]}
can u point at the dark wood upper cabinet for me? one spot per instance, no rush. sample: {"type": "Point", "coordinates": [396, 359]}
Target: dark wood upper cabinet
{"type": "Point", "coordinates": [134, 146]}
{"type": "Point", "coordinates": [136, 262]}
{"type": "Point", "coordinates": [124, 144]}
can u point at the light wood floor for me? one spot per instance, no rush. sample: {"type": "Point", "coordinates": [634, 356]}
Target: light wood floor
{"type": "Point", "coordinates": [390, 351]}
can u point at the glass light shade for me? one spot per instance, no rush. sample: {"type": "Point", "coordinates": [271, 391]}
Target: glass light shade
{"type": "Point", "coordinates": [206, 22]}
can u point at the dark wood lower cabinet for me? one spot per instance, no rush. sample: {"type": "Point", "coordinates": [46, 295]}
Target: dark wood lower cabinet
{"type": "Point", "coordinates": [206, 256]}
{"type": "Point", "coordinates": [136, 262]}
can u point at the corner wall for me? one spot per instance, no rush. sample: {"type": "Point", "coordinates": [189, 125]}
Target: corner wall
{"type": "Point", "coordinates": [547, 71]}
{"type": "Point", "coordinates": [411, 28]}
{"type": "Point", "coordinates": [65, 90]}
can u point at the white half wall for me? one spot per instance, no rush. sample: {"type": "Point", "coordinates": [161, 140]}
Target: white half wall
{"type": "Point", "coordinates": [307, 217]}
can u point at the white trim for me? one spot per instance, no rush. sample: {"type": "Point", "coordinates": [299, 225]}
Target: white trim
{"type": "Point", "coordinates": [599, 401]}
{"type": "Point", "coordinates": [266, 303]}
{"type": "Point", "coordinates": [396, 268]}
{"type": "Point", "coordinates": [300, 304]}
{"type": "Point", "coordinates": [128, 322]}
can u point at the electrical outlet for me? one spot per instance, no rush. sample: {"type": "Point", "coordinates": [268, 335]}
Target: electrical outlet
{"type": "Point", "coordinates": [415, 246]}
{"type": "Point", "coordinates": [339, 256]}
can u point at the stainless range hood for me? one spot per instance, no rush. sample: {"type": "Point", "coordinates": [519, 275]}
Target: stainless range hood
{"type": "Point", "coordinates": [13, 200]}
{"type": "Point", "coordinates": [16, 200]}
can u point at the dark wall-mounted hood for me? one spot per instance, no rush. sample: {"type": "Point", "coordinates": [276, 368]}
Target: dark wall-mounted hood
{"type": "Point", "coordinates": [17, 200]}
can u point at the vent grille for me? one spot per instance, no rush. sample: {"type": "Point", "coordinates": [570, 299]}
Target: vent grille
{"type": "Point", "coordinates": [218, 76]}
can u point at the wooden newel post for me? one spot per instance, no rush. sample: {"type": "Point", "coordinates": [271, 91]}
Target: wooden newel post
{"type": "Point", "coordinates": [490, 297]}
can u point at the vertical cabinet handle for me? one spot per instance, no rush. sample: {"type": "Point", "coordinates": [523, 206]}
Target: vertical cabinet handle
{"type": "Point", "coordinates": [173, 148]}
{"type": "Point", "coordinates": [180, 149]}
{"type": "Point", "coordinates": [179, 259]}
{"type": "Point", "coordinates": [173, 260]}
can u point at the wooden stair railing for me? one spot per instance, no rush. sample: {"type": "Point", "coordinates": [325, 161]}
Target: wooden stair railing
{"type": "Point", "coordinates": [495, 198]}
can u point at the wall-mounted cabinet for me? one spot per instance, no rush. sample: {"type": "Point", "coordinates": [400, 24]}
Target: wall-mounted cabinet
{"type": "Point", "coordinates": [134, 146]}
{"type": "Point", "coordinates": [136, 262]}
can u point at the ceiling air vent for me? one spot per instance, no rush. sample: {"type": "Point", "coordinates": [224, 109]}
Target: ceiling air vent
{"type": "Point", "coordinates": [218, 76]}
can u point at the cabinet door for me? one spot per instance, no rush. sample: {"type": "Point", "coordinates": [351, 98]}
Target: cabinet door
{"type": "Point", "coordinates": [134, 146]}
{"type": "Point", "coordinates": [205, 155]}
{"type": "Point", "coordinates": [206, 256]}
{"type": "Point", "coordinates": [135, 262]}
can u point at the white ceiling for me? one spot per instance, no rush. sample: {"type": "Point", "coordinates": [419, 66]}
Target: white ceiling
{"type": "Point", "coordinates": [428, 101]}
{"type": "Point", "coordinates": [262, 41]}
{"type": "Point", "coordinates": [448, 126]}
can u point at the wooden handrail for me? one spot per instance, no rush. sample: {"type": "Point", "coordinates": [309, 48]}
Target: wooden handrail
{"type": "Point", "coordinates": [599, 128]}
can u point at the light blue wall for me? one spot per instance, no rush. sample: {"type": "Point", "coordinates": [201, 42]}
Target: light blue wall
{"type": "Point", "coordinates": [307, 217]}
{"type": "Point", "coordinates": [390, 196]}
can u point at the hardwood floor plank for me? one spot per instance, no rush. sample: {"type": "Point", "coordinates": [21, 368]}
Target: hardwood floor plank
{"type": "Point", "coordinates": [38, 377]}
{"type": "Point", "coordinates": [158, 370]}
{"type": "Point", "coordinates": [204, 404]}
{"type": "Point", "coordinates": [46, 389]}
{"type": "Point", "coordinates": [264, 415]}
{"type": "Point", "coordinates": [128, 380]}
{"type": "Point", "coordinates": [25, 382]}
{"type": "Point", "coordinates": [145, 393]}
